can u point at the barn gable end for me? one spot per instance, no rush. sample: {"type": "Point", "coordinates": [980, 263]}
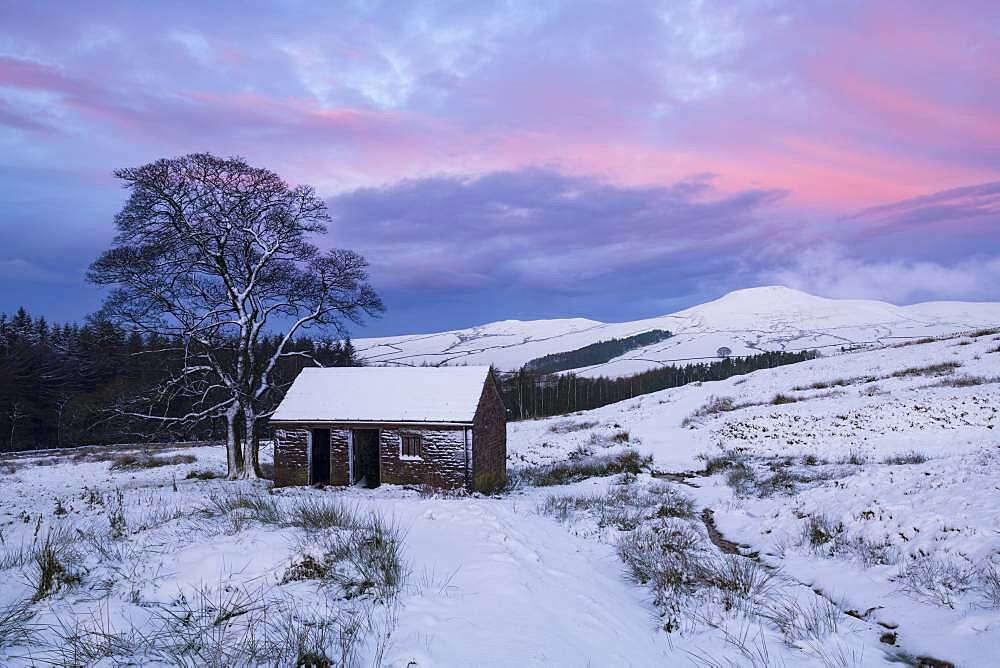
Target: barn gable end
{"type": "Point", "coordinates": [489, 443]}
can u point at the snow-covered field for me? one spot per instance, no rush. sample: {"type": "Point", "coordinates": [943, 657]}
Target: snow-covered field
{"type": "Point", "coordinates": [745, 321]}
{"type": "Point", "coordinates": [869, 494]}
{"type": "Point", "coordinates": [877, 483]}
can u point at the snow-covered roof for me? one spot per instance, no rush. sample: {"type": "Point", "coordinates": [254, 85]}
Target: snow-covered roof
{"type": "Point", "coordinates": [384, 394]}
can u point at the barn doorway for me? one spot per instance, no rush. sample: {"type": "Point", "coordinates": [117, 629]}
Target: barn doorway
{"type": "Point", "coordinates": [320, 473]}
{"type": "Point", "coordinates": [367, 468]}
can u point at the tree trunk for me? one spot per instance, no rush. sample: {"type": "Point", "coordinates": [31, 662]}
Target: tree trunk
{"type": "Point", "coordinates": [251, 462]}
{"type": "Point", "coordinates": [234, 455]}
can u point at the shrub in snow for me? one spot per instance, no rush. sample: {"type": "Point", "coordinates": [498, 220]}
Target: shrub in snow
{"type": "Point", "coordinates": [965, 381]}
{"type": "Point", "coordinates": [740, 579]}
{"type": "Point", "coordinates": [929, 370]}
{"type": "Point", "coordinates": [15, 624]}
{"type": "Point", "coordinates": [675, 559]}
{"type": "Point", "coordinates": [911, 457]}
{"type": "Point", "coordinates": [820, 530]}
{"type": "Point", "coordinates": [990, 584]}
{"type": "Point", "coordinates": [668, 556]}
{"type": "Point", "coordinates": [221, 626]}
{"type": "Point", "coordinates": [855, 459]}
{"type": "Point", "coordinates": [367, 557]}
{"type": "Point", "coordinates": [870, 552]}
{"type": "Point", "coordinates": [201, 475]}
{"type": "Point", "coordinates": [937, 580]}
{"type": "Point", "coordinates": [832, 539]}
{"type": "Point", "coordinates": [623, 507]}
{"type": "Point", "coordinates": [741, 478]}
{"type": "Point", "coordinates": [317, 513]}
{"type": "Point", "coordinates": [721, 462]}
{"type": "Point", "coordinates": [780, 399]}
{"type": "Point", "coordinates": [985, 332]}
{"type": "Point", "coordinates": [814, 621]}
{"type": "Point", "coordinates": [563, 473]}
{"type": "Point", "coordinates": [240, 508]}
{"type": "Point", "coordinates": [781, 481]}
{"type": "Point", "coordinates": [306, 568]}
{"type": "Point", "coordinates": [713, 406]}
{"type": "Point", "coordinates": [52, 562]}
{"type": "Point", "coordinates": [302, 639]}
{"type": "Point", "coordinates": [116, 514]}
{"type": "Point", "coordinates": [129, 461]}
{"type": "Point", "coordinates": [567, 426]}
{"type": "Point", "coordinates": [671, 503]}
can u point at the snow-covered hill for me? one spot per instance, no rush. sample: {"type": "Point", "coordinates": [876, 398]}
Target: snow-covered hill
{"type": "Point", "coordinates": [746, 321]}
{"type": "Point", "coordinates": [870, 478]}
{"type": "Point", "coordinates": [860, 490]}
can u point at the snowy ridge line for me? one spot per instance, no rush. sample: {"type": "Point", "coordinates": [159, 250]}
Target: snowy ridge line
{"type": "Point", "coordinates": [857, 346]}
{"type": "Point", "coordinates": [746, 321]}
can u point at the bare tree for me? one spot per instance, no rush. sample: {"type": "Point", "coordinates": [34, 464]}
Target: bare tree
{"type": "Point", "coordinates": [213, 254]}
{"type": "Point", "coordinates": [17, 411]}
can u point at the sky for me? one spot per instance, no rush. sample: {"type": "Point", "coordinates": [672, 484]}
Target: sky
{"type": "Point", "coordinates": [529, 159]}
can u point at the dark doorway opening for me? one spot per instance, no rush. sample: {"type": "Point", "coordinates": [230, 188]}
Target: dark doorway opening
{"type": "Point", "coordinates": [366, 460]}
{"type": "Point", "coordinates": [320, 473]}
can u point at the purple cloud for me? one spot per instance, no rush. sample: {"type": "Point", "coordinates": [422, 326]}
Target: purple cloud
{"type": "Point", "coordinates": [544, 146]}
{"type": "Point", "coordinates": [539, 228]}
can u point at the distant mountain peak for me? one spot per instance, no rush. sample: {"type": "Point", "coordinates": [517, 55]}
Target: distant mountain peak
{"type": "Point", "coordinates": [747, 321]}
{"type": "Point", "coordinates": [772, 292]}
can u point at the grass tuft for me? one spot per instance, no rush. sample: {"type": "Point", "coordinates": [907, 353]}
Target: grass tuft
{"type": "Point", "coordinates": [965, 381]}
{"type": "Point", "coordinates": [936, 580]}
{"type": "Point", "coordinates": [366, 557]}
{"type": "Point", "coordinates": [51, 566]}
{"type": "Point", "coordinates": [15, 624]}
{"type": "Point", "coordinates": [623, 507]}
{"type": "Point", "coordinates": [713, 406]}
{"type": "Point", "coordinates": [929, 370]}
{"type": "Point", "coordinates": [130, 461]}
{"type": "Point", "coordinates": [563, 473]}
{"type": "Point", "coordinates": [315, 513]}
{"type": "Point", "coordinates": [912, 457]}
{"type": "Point", "coordinates": [567, 426]}
{"type": "Point", "coordinates": [198, 474]}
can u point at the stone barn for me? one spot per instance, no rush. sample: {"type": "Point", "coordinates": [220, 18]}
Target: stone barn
{"type": "Point", "coordinates": [439, 426]}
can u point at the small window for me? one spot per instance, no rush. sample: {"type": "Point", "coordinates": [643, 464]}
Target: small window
{"type": "Point", "coordinates": [410, 446]}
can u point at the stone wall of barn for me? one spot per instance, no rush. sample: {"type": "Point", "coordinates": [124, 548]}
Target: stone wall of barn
{"type": "Point", "coordinates": [441, 462]}
{"type": "Point", "coordinates": [489, 439]}
{"type": "Point", "coordinates": [291, 457]}
{"type": "Point", "coordinates": [340, 472]}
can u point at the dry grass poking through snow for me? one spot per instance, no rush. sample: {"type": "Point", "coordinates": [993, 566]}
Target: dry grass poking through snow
{"type": "Point", "coordinates": [665, 547]}
{"type": "Point", "coordinates": [583, 467]}
{"type": "Point", "coordinates": [103, 561]}
{"type": "Point", "coordinates": [130, 461]}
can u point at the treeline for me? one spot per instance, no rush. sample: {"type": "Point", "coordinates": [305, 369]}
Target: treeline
{"type": "Point", "coordinates": [530, 394]}
{"type": "Point", "coordinates": [64, 385]}
{"type": "Point", "coordinates": [595, 353]}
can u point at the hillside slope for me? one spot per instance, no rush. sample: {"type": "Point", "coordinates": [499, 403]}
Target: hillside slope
{"type": "Point", "coordinates": [746, 321]}
{"type": "Point", "coordinates": [869, 478]}
{"type": "Point", "coordinates": [864, 504]}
